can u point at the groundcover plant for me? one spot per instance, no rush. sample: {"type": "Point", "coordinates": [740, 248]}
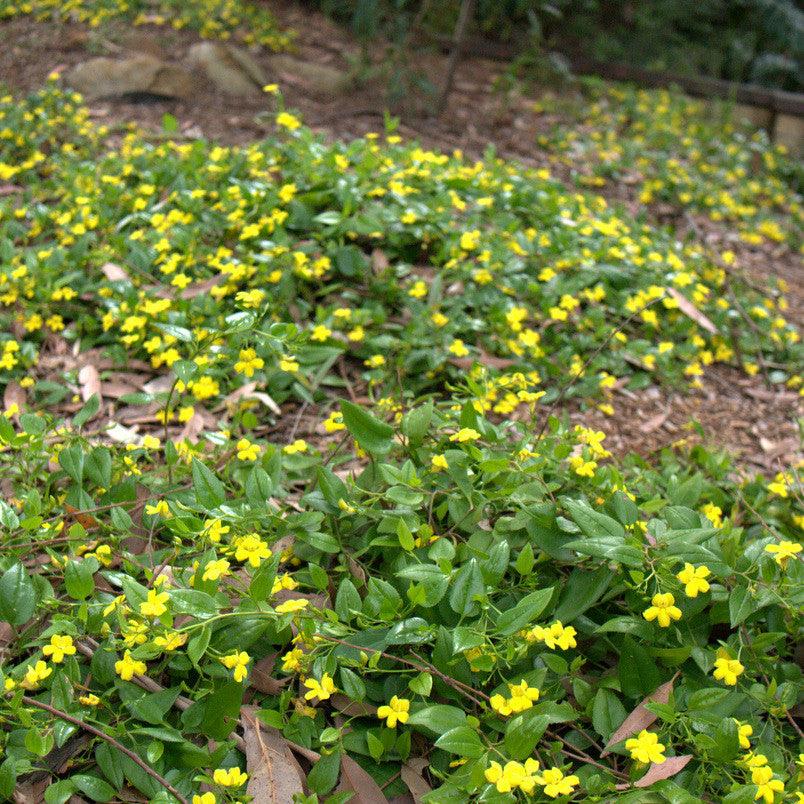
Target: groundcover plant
{"type": "Point", "coordinates": [246, 22]}
{"type": "Point", "coordinates": [444, 590]}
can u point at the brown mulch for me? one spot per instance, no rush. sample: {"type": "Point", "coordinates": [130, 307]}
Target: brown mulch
{"type": "Point", "coordinates": [737, 412]}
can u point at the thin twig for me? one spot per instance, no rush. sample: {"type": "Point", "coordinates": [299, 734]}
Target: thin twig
{"type": "Point", "coordinates": [109, 739]}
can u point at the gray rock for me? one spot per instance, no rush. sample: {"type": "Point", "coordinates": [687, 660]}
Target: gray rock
{"type": "Point", "coordinates": [138, 75]}
{"type": "Point", "coordinates": [230, 68]}
{"type": "Point", "coordinates": [318, 79]}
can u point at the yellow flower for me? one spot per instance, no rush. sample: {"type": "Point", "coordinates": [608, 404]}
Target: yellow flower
{"type": "Point", "coordinates": [744, 731]}
{"type": "Point", "coordinates": [319, 689]}
{"type": "Point", "coordinates": [289, 363]}
{"type": "Point", "coordinates": [375, 361]}
{"type": "Point", "coordinates": [299, 445]}
{"type": "Point", "coordinates": [556, 783]}
{"type": "Point", "coordinates": [127, 667]}
{"type": "Point", "coordinates": [523, 696]}
{"type": "Point", "coordinates": [645, 747]}
{"type": "Point", "coordinates": [205, 798]}
{"type": "Point", "coordinates": [694, 579]}
{"type": "Point", "coordinates": [229, 777]}
{"type": "Point", "coordinates": [59, 647]}
{"type": "Point", "coordinates": [662, 609]}
{"type": "Point", "coordinates": [291, 661]}
{"type": "Point", "coordinates": [438, 462]}
{"type": "Point", "coordinates": [170, 641]}
{"type": "Point", "coordinates": [767, 786]}
{"type": "Point", "coordinates": [714, 513]}
{"type": "Point", "coordinates": [418, 290]}
{"type": "Point", "coordinates": [396, 711]}
{"type": "Point", "coordinates": [465, 434]}
{"type": "Point", "coordinates": [154, 605]}
{"type": "Point", "coordinates": [252, 549]}
{"type": "Point", "coordinates": [555, 635]}
{"type": "Point", "coordinates": [320, 333]}
{"type": "Point", "coordinates": [288, 121]}
{"type": "Point", "coordinates": [160, 509]}
{"type": "Point", "coordinates": [89, 699]}
{"type": "Point", "coordinates": [238, 662]}
{"type": "Point", "coordinates": [334, 422]}
{"type": "Point", "coordinates": [246, 451]}
{"type": "Point", "coordinates": [778, 486]}
{"type": "Point", "coordinates": [513, 775]}
{"type": "Point", "coordinates": [458, 348]}
{"type": "Point", "coordinates": [783, 551]}
{"type": "Point", "coordinates": [290, 606]}
{"type": "Point", "coordinates": [727, 669]}
{"type": "Point", "coordinates": [215, 570]}
{"type": "Point", "coordinates": [470, 240]}
{"type": "Point", "coordinates": [35, 674]}
{"type": "Point", "coordinates": [248, 362]}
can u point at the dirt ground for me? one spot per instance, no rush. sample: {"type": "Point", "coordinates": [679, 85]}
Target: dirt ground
{"type": "Point", "coordinates": [737, 412]}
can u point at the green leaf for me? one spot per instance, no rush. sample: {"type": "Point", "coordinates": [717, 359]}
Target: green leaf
{"type": "Point", "coordinates": [209, 491]}
{"type": "Point", "coordinates": [466, 585]}
{"type": "Point", "coordinates": [741, 605]}
{"type": "Point", "coordinates": [525, 612]}
{"type": "Point", "coordinates": [192, 601]}
{"type": "Point", "coordinates": [93, 787]}
{"type": "Point", "coordinates": [522, 734]}
{"type": "Point", "coordinates": [439, 718]}
{"type": "Point", "coordinates": [611, 548]}
{"type": "Point", "coordinates": [583, 589]}
{"type": "Point", "coordinates": [78, 580]}
{"type": "Point", "coordinates": [432, 580]}
{"type": "Point", "coordinates": [421, 684]}
{"type": "Point", "coordinates": [324, 773]}
{"type": "Point", "coordinates": [416, 423]}
{"type": "Point", "coordinates": [461, 741]}
{"type": "Point", "coordinates": [17, 596]}
{"type": "Point", "coordinates": [198, 644]}
{"type": "Point", "coordinates": [347, 600]}
{"type": "Point", "coordinates": [638, 673]}
{"type": "Point", "coordinates": [71, 460]}
{"type": "Point", "coordinates": [372, 434]}
{"type": "Point", "coordinates": [607, 713]}
{"type": "Point", "coordinates": [89, 409]}
{"type": "Point", "coordinates": [592, 522]}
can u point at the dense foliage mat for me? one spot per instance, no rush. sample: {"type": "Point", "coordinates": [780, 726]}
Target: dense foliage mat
{"type": "Point", "coordinates": [448, 590]}
{"type": "Point", "coordinates": [250, 23]}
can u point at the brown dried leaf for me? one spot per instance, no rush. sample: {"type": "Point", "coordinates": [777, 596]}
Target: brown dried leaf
{"type": "Point", "coordinates": [347, 706]}
{"type": "Point", "coordinates": [411, 773]}
{"type": "Point", "coordinates": [14, 395]}
{"type": "Point", "coordinates": [655, 422]}
{"type": "Point", "coordinates": [90, 382]}
{"type": "Point", "coordinates": [272, 770]}
{"type": "Point", "coordinates": [640, 718]}
{"type": "Point", "coordinates": [114, 273]}
{"type": "Point", "coordinates": [691, 311]}
{"type": "Point", "coordinates": [9, 189]}
{"type": "Point", "coordinates": [261, 679]}
{"type": "Point", "coordinates": [355, 780]}
{"type": "Point", "coordinates": [670, 767]}
{"type": "Point", "coordinates": [200, 288]}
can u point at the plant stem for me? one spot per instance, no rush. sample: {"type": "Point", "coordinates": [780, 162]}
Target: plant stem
{"type": "Point", "coordinates": [109, 739]}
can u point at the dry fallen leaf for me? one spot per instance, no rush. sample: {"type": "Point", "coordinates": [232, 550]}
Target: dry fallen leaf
{"type": "Point", "coordinates": [90, 382]}
{"type": "Point", "coordinates": [411, 773]}
{"type": "Point", "coordinates": [691, 311]}
{"type": "Point", "coordinates": [640, 718]}
{"type": "Point", "coordinates": [670, 767]}
{"type": "Point", "coordinates": [14, 395]}
{"type": "Point", "coordinates": [261, 679]}
{"type": "Point", "coordinates": [273, 772]}
{"type": "Point", "coordinates": [114, 273]}
{"type": "Point", "coordinates": [351, 708]}
{"type": "Point", "coordinates": [355, 780]}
